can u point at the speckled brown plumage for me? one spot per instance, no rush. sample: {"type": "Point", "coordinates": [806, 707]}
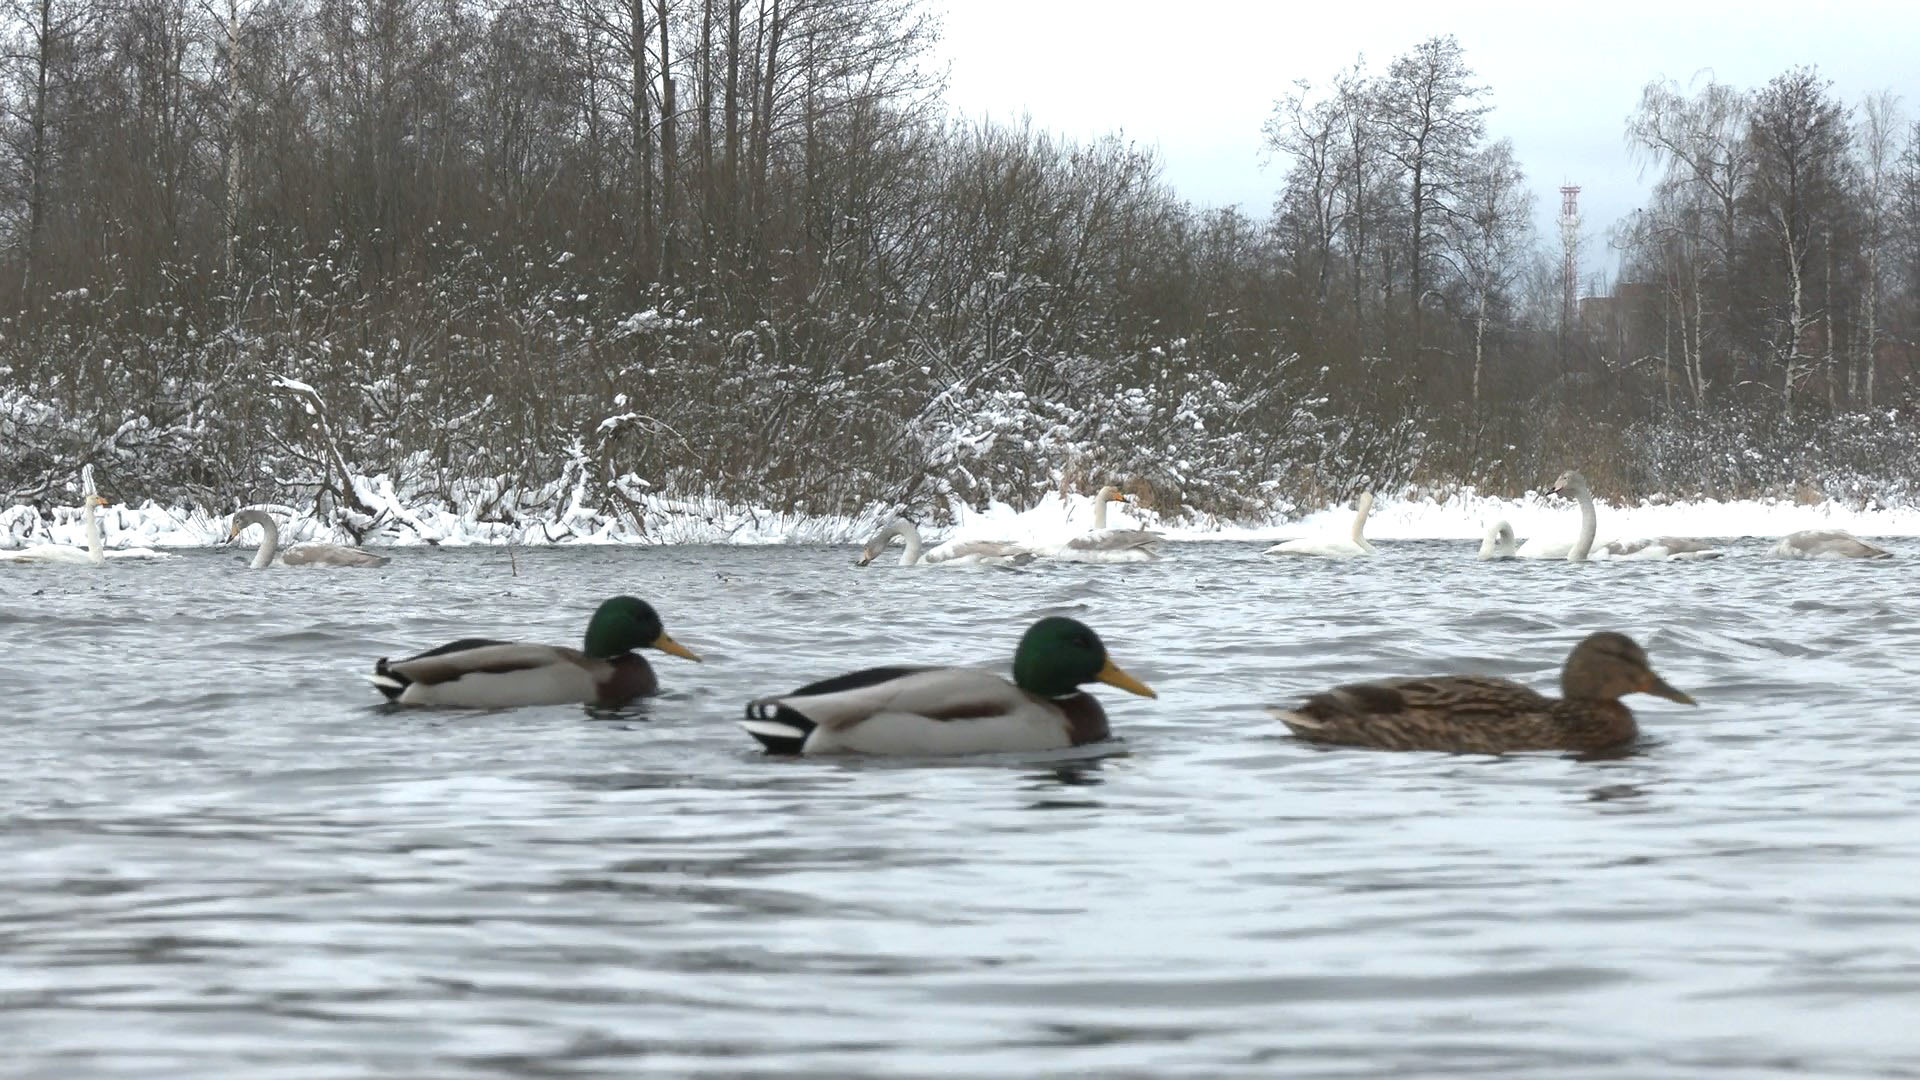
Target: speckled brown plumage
{"type": "Point", "coordinates": [1481, 714]}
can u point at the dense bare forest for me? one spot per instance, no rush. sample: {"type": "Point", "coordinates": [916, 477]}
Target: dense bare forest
{"type": "Point", "coordinates": [503, 255]}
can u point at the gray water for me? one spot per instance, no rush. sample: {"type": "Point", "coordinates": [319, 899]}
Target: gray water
{"type": "Point", "coordinates": [222, 859]}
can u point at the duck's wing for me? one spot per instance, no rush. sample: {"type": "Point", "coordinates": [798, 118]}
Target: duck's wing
{"type": "Point", "coordinates": [490, 674]}
{"type": "Point", "coordinates": [479, 655]}
{"type": "Point", "coordinates": [331, 555]}
{"type": "Point", "coordinates": [934, 692]}
{"type": "Point", "coordinates": [1468, 713]}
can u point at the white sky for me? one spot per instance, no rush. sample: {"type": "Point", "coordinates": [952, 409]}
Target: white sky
{"type": "Point", "coordinates": [1197, 78]}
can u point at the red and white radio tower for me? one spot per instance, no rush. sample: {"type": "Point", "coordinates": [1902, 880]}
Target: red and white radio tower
{"type": "Point", "coordinates": [1570, 251]}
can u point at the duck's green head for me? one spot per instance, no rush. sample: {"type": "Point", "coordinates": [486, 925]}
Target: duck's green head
{"type": "Point", "coordinates": [626, 623]}
{"type": "Point", "coordinates": [1057, 654]}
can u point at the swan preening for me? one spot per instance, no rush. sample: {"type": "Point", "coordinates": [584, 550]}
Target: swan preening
{"type": "Point", "coordinates": [299, 554]}
{"type": "Point", "coordinates": [1826, 544]}
{"type": "Point", "coordinates": [955, 552]}
{"type": "Point", "coordinates": [94, 554]}
{"type": "Point", "coordinates": [1334, 547]}
{"type": "Point", "coordinates": [1499, 542]}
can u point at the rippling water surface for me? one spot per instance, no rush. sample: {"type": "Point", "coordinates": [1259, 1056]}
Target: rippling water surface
{"type": "Point", "coordinates": [222, 859]}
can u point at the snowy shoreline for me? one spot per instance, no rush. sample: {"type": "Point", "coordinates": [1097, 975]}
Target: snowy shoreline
{"type": "Point", "coordinates": [665, 520]}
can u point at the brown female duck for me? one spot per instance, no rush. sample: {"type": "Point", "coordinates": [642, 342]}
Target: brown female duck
{"type": "Point", "coordinates": [1481, 714]}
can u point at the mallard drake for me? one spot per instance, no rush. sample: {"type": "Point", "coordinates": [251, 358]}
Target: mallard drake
{"type": "Point", "coordinates": [483, 673]}
{"type": "Point", "coordinates": [943, 710]}
{"type": "Point", "coordinates": [1481, 714]}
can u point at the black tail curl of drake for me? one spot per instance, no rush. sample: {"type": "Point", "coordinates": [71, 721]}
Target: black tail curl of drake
{"type": "Point", "coordinates": [780, 729]}
{"type": "Point", "coordinates": [389, 682]}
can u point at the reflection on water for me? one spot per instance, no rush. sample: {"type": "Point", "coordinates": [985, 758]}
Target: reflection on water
{"type": "Point", "coordinates": [225, 857]}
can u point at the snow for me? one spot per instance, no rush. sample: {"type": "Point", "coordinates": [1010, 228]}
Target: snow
{"type": "Point", "coordinates": [669, 519]}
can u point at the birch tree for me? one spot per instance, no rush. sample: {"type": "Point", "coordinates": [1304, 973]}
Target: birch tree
{"type": "Point", "coordinates": [1490, 232]}
{"type": "Point", "coordinates": [1879, 126]}
{"type": "Point", "coordinates": [1699, 142]}
{"type": "Point", "coordinates": [1799, 138]}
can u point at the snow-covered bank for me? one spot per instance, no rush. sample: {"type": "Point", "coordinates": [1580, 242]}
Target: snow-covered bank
{"type": "Point", "coordinates": [657, 519]}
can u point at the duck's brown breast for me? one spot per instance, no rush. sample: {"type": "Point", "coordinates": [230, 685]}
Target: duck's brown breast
{"type": "Point", "coordinates": [1086, 720]}
{"type": "Point", "coordinates": [628, 676]}
{"type": "Point", "coordinates": [1593, 725]}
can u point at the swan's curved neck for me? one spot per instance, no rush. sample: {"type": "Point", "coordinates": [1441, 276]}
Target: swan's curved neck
{"type": "Point", "coordinates": [96, 544]}
{"type": "Point", "coordinates": [269, 542]}
{"type": "Point", "coordinates": [1584, 544]}
{"type": "Point", "coordinates": [1100, 512]}
{"type": "Point", "coordinates": [906, 531]}
{"type": "Point", "coordinates": [1360, 519]}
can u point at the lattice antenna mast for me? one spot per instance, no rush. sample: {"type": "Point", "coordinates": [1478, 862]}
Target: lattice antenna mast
{"type": "Point", "coordinates": [1570, 251]}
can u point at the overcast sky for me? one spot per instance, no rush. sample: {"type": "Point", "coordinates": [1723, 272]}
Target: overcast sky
{"type": "Point", "coordinates": [1197, 78]}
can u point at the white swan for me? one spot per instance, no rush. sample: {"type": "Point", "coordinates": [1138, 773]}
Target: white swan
{"type": "Point", "coordinates": [1499, 542]}
{"type": "Point", "coordinates": [1826, 544]}
{"type": "Point", "coordinates": [1104, 545]}
{"type": "Point", "coordinates": [94, 553]}
{"type": "Point", "coordinates": [1334, 547]}
{"type": "Point", "coordinates": [299, 554]}
{"type": "Point", "coordinates": [1660, 547]}
{"type": "Point", "coordinates": [955, 552]}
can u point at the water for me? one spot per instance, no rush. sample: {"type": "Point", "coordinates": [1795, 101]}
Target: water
{"type": "Point", "coordinates": [223, 860]}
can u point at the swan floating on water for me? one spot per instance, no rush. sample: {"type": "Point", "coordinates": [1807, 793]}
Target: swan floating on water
{"type": "Point", "coordinates": [1581, 549]}
{"type": "Point", "coordinates": [94, 554]}
{"type": "Point", "coordinates": [955, 552]}
{"type": "Point", "coordinates": [1826, 544]}
{"type": "Point", "coordinates": [1499, 542]}
{"type": "Point", "coordinates": [299, 554]}
{"type": "Point", "coordinates": [1334, 547]}
{"type": "Point", "coordinates": [1104, 545]}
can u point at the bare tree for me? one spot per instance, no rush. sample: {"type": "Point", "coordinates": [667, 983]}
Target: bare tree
{"type": "Point", "coordinates": [47, 40]}
{"type": "Point", "coordinates": [1491, 229]}
{"type": "Point", "coordinates": [1879, 126]}
{"type": "Point", "coordinates": [1800, 138]}
{"type": "Point", "coordinates": [1700, 144]}
{"type": "Point", "coordinates": [1428, 105]}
